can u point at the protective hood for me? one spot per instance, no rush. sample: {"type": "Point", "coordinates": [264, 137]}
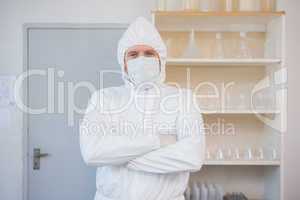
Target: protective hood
{"type": "Point", "coordinates": [142, 32]}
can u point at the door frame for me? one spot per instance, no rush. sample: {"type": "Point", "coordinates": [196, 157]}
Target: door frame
{"type": "Point", "coordinates": [25, 86]}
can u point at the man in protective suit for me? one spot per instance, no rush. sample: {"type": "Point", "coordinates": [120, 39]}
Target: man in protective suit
{"type": "Point", "coordinates": [144, 137]}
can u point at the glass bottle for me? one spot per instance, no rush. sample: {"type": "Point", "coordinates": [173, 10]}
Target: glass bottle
{"type": "Point", "coordinates": [174, 5]}
{"type": "Point", "coordinates": [275, 154]}
{"type": "Point", "coordinates": [244, 51]}
{"type": "Point", "coordinates": [191, 4]}
{"type": "Point", "coordinates": [228, 101]}
{"type": "Point", "coordinates": [237, 154]}
{"type": "Point", "coordinates": [249, 5]}
{"type": "Point", "coordinates": [220, 154]}
{"type": "Point", "coordinates": [242, 98]}
{"type": "Point", "coordinates": [228, 5]}
{"type": "Point", "coordinates": [249, 155]}
{"type": "Point", "coordinates": [161, 5]}
{"type": "Point", "coordinates": [218, 48]}
{"type": "Point", "coordinates": [268, 5]}
{"type": "Point", "coordinates": [208, 155]}
{"type": "Point", "coordinates": [205, 5]}
{"type": "Point", "coordinates": [210, 5]}
{"type": "Point", "coordinates": [215, 5]}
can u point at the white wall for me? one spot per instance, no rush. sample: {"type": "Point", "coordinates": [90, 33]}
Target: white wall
{"type": "Point", "coordinates": [292, 138]}
{"type": "Point", "coordinates": [13, 13]}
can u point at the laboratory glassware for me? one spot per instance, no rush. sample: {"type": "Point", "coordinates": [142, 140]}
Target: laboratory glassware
{"type": "Point", "coordinates": [244, 51]}
{"type": "Point", "coordinates": [218, 47]}
{"type": "Point", "coordinates": [205, 5]}
{"type": "Point", "coordinates": [228, 5]}
{"type": "Point", "coordinates": [268, 5]}
{"type": "Point", "coordinates": [174, 5]}
{"type": "Point", "coordinates": [192, 51]}
{"type": "Point", "coordinates": [249, 5]}
{"type": "Point", "coordinates": [249, 154]}
{"type": "Point", "coordinates": [258, 153]}
{"type": "Point", "coordinates": [220, 154]}
{"type": "Point", "coordinates": [161, 5]}
{"type": "Point", "coordinates": [191, 4]}
{"type": "Point", "coordinates": [215, 5]}
{"type": "Point", "coordinates": [237, 154]}
{"type": "Point", "coordinates": [208, 155]}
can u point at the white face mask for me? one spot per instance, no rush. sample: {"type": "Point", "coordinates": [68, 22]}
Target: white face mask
{"type": "Point", "coordinates": [143, 69]}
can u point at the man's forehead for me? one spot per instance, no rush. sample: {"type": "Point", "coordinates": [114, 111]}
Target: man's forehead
{"type": "Point", "coordinates": [140, 48]}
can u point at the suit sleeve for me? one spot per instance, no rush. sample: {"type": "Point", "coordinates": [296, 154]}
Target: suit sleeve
{"type": "Point", "coordinates": [100, 144]}
{"type": "Point", "coordinates": [187, 154]}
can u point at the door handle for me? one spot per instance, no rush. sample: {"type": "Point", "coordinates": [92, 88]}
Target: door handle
{"type": "Point", "coordinates": [37, 155]}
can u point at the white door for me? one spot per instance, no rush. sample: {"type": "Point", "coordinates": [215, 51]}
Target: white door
{"type": "Point", "coordinates": [62, 58]}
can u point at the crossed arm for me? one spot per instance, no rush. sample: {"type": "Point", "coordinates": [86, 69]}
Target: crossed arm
{"type": "Point", "coordinates": [143, 153]}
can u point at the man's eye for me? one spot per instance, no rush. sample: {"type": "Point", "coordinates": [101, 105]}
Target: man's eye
{"type": "Point", "coordinates": [149, 54]}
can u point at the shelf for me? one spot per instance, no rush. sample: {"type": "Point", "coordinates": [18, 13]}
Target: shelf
{"type": "Point", "coordinates": [221, 62]}
{"type": "Point", "coordinates": [241, 112]}
{"type": "Point", "coordinates": [219, 13]}
{"type": "Point", "coordinates": [243, 163]}
{"type": "Point", "coordinates": [214, 21]}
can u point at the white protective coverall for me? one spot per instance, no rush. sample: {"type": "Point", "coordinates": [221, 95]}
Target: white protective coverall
{"type": "Point", "coordinates": [132, 163]}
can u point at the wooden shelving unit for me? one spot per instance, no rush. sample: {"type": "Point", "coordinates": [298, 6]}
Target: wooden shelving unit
{"type": "Point", "coordinates": [263, 127]}
{"type": "Point", "coordinates": [218, 13]}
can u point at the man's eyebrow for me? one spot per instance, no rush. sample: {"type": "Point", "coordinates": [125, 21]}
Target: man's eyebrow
{"type": "Point", "coordinates": [150, 50]}
{"type": "Point", "coordinates": [132, 51]}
